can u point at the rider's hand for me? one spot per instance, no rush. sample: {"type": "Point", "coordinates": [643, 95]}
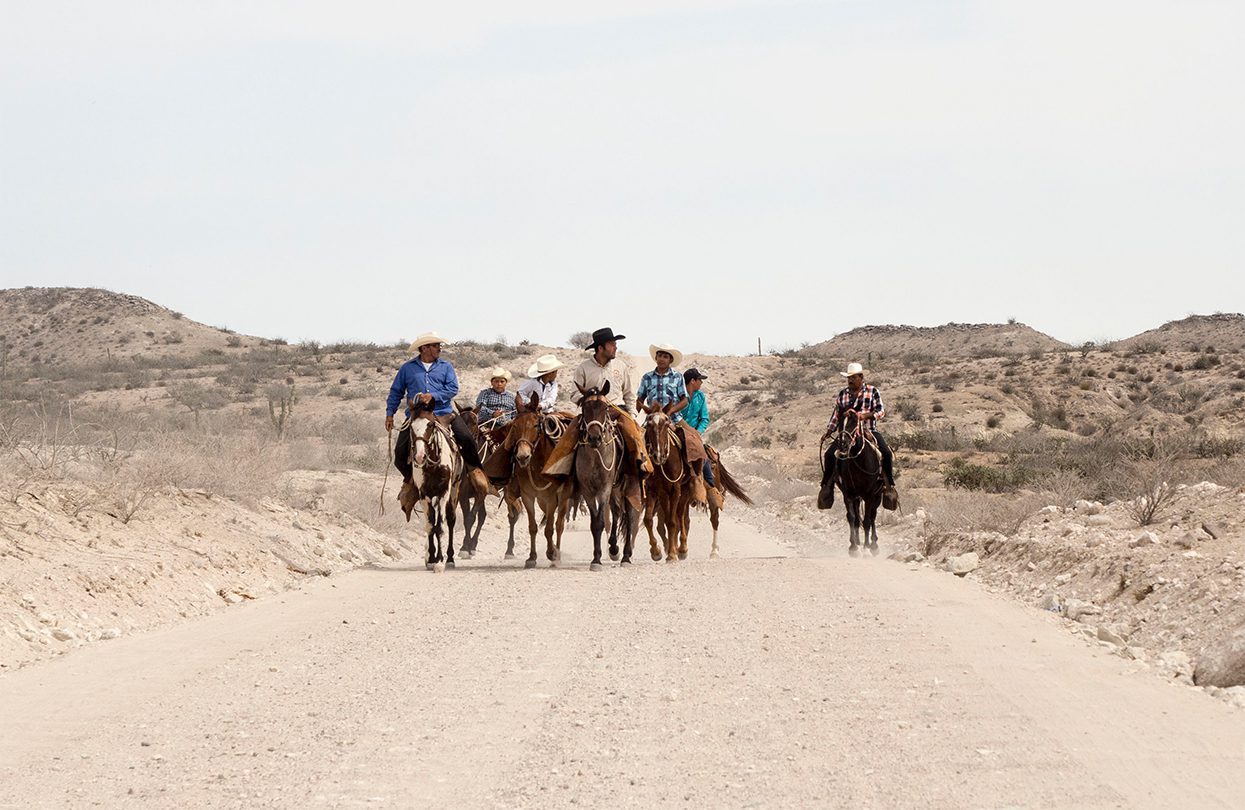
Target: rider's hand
{"type": "Point", "coordinates": [426, 398]}
{"type": "Point", "coordinates": [388, 423]}
{"type": "Point", "coordinates": [866, 414]}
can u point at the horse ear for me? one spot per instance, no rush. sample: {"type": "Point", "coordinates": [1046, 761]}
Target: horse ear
{"type": "Point", "coordinates": [534, 403]}
{"type": "Point", "coordinates": [582, 391]}
{"type": "Point", "coordinates": [605, 389]}
{"type": "Point", "coordinates": [666, 410]}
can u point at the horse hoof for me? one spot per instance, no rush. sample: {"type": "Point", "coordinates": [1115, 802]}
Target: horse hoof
{"type": "Point", "coordinates": [449, 563]}
{"type": "Point", "coordinates": [672, 559]}
{"type": "Point", "coordinates": [656, 555]}
{"type": "Point", "coordinates": [854, 551]}
{"type": "Point", "coordinates": [428, 566]}
{"type": "Point", "coordinates": [529, 563]}
{"type": "Point", "coordinates": [625, 561]}
{"type": "Point", "coordinates": [465, 555]}
{"type": "Point", "coordinates": [614, 555]}
{"type": "Point", "coordinates": [682, 555]}
{"type": "Point", "coordinates": [713, 555]}
{"type": "Point", "coordinates": [438, 568]}
{"type": "Point", "coordinates": [873, 550]}
{"type": "Point", "coordinates": [596, 566]}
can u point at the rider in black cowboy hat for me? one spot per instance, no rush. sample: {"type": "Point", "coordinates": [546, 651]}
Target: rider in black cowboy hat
{"type": "Point", "coordinates": [866, 400]}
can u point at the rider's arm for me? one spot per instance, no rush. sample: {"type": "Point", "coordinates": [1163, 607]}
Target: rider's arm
{"type": "Point", "coordinates": [628, 392]}
{"type": "Point", "coordinates": [879, 410]}
{"type": "Point", "coordinates": [678, 406]}
{"type": "Point", "coordinates": [396, 392]}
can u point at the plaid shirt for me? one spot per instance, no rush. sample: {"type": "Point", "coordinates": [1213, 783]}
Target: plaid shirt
{"type": "Point", "coordinates": [489, 401]}
{"type": "Point", "coordinates": [666, 389]}
{"type": "Point", "coordinates": [869, 399]}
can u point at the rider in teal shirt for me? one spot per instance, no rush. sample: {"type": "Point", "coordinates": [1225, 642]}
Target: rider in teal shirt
{"type": "Point", "coordinates": [696, 413]}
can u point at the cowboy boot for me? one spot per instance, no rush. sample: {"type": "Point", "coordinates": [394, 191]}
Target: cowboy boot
{"type": "Point", "coordinates": [890, 497]}
{"type": "Point", "coordinates": [407, 496]}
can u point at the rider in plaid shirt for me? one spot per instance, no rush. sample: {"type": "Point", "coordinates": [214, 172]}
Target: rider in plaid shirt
{"type": "Point", "coordinates": [866, 400]}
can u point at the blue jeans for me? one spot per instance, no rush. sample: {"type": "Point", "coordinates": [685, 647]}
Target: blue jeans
{"type": "Point", "coordinates": [708, 474]}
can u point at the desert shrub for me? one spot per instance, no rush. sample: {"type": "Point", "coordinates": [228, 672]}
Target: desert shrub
{"type": "Point", "coordinates": [1205, 361]}
{"type": "Point", "coordinates": [908, 409]}
{"type": "Point", "coordinates": [929, 439]}
{"type": "Point", "coordinates": [960, 474]}
{"type": "Point", "coordinates": [762, 441]}
{"type": "Point", "coordinates": [1007, 388]}
{"type": "Point", "coordinates": [936, 407]}
{"type": "Point", "coordinates": [993, 421]}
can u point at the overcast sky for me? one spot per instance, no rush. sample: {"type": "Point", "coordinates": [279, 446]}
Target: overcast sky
{"type": "Point", "coordinates": [701, 173]}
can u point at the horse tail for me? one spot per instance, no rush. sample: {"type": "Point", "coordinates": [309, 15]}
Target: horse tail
{"type": "Point", "coordinates": [732, 486]}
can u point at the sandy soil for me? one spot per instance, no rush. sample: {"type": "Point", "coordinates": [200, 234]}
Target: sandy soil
{"type": "Point", "coordinates": [760, 679]}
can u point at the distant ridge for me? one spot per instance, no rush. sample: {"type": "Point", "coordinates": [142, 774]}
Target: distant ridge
{"type": "Point", "coordinates": [76, 325]}
{"type": "Point", "coordinates": [1224, 331]}
{"type": "Point", "coordinates": [949, 340]}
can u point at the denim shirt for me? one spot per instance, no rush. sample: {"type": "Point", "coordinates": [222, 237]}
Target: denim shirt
{"type": "Point", "coordinates": [439, 380]}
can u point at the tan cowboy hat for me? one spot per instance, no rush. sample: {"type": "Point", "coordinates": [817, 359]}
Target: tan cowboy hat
{"type": "Point", "coordinates": [654, 348]}
{"type": "Point", "coordinates": [498, 371]}
{"type": "Point", "coordinates": [425, 339]}
{"type": "Point", "coordinates": [852, 370]}
{"type": "Point", "coordinates": [543, 365]}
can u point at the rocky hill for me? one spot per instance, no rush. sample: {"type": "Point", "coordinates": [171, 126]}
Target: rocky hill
{"type": "Point", "coordinates": [49, 325]}
{"type": "Point", "coordinates": [952, 340]}
{"type": "Point", "coordinates": [1221, 332]}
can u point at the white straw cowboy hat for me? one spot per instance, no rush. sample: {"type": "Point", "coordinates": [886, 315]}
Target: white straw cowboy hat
{"type": "Point", "coordinates": [654, 348]}
{"type": "Point", "coordinates": [497, 371]}
{"type": "Point", "coordinates": [543, 365]}
{"type": "Point", "coordinates": [425, 339]}
{"type": "Point", "coordinates": [852, 370]}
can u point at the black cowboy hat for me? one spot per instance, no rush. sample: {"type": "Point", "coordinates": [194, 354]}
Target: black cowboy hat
{"type": "Point", "coordinates": [602, 336]}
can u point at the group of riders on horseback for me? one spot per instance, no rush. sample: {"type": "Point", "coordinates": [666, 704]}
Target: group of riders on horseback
{"type": "Point", "coordinates": [601, 457]}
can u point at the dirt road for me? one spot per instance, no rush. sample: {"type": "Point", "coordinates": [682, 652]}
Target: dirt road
{"type": "Point", "coordinates": [754, 680]}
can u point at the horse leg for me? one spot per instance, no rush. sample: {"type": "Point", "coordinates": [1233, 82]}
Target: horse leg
{"type": "Point", "coordinates": [529, 505]}
{"type": "Point", "coordinates": [650, 506]}
{"type": "Point", "coordinates": [668, 529]}
{"type": "Point", "coordinates": [451, 517]}
{"type": "Point", "coordinates": [714, 513]}
{"type": "Point", "coordinates": [684, 515]}
{"type": "Point", "coordinates": [430, 528]}
{"type": "Point", "coordinates": [596, 510]}
{"type": "Point", "coordinates": [871, 525]}
{"type": "Point", "coordinates": [616, 513]}
{"type": "Point", "coordinates": [548, 513]}
{"type": "Point", "coordinates": [562, 506]}
{"type": "Point", "coordinates": [852, 507]}
{"type": "Point", "coordinates": [631, 525]}
{"type": "Point", "coordinates": [512, 512]}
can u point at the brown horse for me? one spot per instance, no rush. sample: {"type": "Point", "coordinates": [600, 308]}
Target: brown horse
{"type": "Point", "coordinates": [669, 492]}
{"type": "Point", "coordinates": [529, 441]}
{"type": "Point", "coordinates": [724, 484]}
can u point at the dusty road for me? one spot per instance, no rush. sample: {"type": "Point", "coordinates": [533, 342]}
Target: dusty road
{"type": "Point", "coordinates": [753, 680]}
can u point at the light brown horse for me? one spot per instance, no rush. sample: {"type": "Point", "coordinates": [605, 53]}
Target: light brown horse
{"type": "Point", "coordinates": [529, 441]}
{"type": "Point", "coordinates": [669, 487]}
{"type": "Point", "coordinates": [724, 484]}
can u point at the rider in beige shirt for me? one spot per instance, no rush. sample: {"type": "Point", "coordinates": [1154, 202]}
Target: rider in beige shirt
{"type": "Point", "coordinates": [591, 374]}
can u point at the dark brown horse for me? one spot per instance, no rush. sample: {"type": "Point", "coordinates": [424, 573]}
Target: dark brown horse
{"type": "Point", "coordinates": [599, 459]}
{"type": "Point", "coordinates": [860, 480]}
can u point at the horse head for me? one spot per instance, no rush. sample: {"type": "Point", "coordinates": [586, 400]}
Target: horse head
{"type": "Point", "coordinates": [422, 426]}
{"type": "Point", "coordinates": [658, 433]}
{"type": "Point", "coordinates": [524, 432]}
{"type": "Point", "coordinates": [595, 414]}
{"type": "Point", "coordinates": [849, 433]}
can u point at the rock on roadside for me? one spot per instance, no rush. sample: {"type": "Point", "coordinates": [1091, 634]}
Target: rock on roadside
{"type": "Point", "coordinates": [964, 563]}
{"type": "Point", "coordinates": [1222, 664]}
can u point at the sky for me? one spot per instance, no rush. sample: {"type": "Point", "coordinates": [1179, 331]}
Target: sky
{"type": "Point", "coordinates": [687, 172]}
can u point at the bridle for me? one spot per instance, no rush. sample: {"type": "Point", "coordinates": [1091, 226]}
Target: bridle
{"type": "Point", "coordinates": [609, 433]}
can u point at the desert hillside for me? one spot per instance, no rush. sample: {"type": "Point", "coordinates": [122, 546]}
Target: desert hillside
{"type": "Point", "coordinates": [58, 325]}
{"type": "Point", "coordinates": [1224, 332]}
